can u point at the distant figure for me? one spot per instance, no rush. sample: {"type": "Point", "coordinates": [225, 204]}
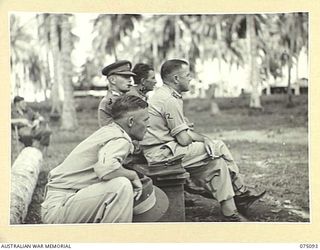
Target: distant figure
{"type": "Point", "coordinates": [144, 79]}
{"type": "Point", "coordinates": [214, 108]}
{"type": "Point", "coordinates": [92, 186]}
{"type": "Point", "coordinates": [119, 77]}
{"type": "Point", "coordinates": [32, 128]}
{"type": "Point", "coordinates": [242, 94]}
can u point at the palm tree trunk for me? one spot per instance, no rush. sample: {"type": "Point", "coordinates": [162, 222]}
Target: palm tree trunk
{"type": "Point", "coordinates": [43, 31]}
{"type": "Point", "coordinates": [155, 54]}
{"type": "Point", "coordinates": [114, 46]}
{"type": "Point", "coordinates": [253, 70]}
{"type": "Point", "coordinates": [69, 119]}
{"type": "Point", "coordinates": [289, 104]}
{"type": "Point", "coordinates": [115, 52]}
{"type": "Point", "coordinates": [297, 86]}
{"type": "Point", "coordinates": [54, 44]}
{"type": "Point", "coordinates": [214, 108]}
{"type": "Point", "coordinates": [176, 36]}
{"type": "Point", "coordinates": [24, 175]}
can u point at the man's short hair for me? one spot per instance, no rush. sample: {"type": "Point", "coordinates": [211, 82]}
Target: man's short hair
{"type": "Point", "coordinates": [125, 104]}
{"type": "Point", "coordinates": [170, 66]}
{"type": "Point", "coordinates": [141, 70]}
{"type": "Point", "coordinates": [17, 99]}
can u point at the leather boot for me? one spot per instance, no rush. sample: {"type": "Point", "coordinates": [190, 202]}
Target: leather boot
{"type": "Point", "coordinates": [246, 199]}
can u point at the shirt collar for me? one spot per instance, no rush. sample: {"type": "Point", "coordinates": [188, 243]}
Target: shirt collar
{"type": "Point", "coordinates": [138, 91]}
{"type": "Point", "coordinates": [113, 92]}
{"type": "Point", "coordinates": [175, 93]}
{"type": "Point", "coordinates": [122, 130]}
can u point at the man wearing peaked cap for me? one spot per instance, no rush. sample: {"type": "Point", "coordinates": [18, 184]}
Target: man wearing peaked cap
{"type": "Point", "coordinates": [119, 77]}
{"type": "Point", "coordinates": [122, 67]}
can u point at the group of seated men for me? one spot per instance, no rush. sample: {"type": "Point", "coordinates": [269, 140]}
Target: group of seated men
{"type": "Point", "coordinates": [92, 185]}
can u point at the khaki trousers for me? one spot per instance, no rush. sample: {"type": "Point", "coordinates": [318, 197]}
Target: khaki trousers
{"type": "Point", "coordinates": [104, 202]}
{"type": "Point", "coordinates": [220, 175]}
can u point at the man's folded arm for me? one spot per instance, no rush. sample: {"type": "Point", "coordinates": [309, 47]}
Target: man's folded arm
{"type": "Point", "coordinates": [183, 138]}
{"type": "Point", "coordinates": [20, 122]}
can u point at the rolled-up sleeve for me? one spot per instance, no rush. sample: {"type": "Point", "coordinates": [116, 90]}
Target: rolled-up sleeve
{"type": "Point", "coordinates": [111, 156]}
{"type": "Point", "coordinates": [175, 119]}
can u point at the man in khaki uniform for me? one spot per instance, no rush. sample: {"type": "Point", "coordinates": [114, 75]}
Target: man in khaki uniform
{"type": "Point", "coordinates": [209, 162]}
{"type": "Point", "coordinates": [119, 76]}
{"type": "Point", "coordinates": [91, 185]}
{"type": "Point", "coordinates": [33, 130]}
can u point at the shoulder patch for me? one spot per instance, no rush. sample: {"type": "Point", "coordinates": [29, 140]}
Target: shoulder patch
{"type": "Point", "coordinates": [175, 95]}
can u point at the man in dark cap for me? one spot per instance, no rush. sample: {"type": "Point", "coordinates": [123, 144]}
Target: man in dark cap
{"type": "Point", "coordinates": [119, 77]}
{"type": "Point", "coordinates": [32, 128]}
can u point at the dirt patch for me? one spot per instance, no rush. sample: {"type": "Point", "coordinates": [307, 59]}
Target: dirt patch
{"type": "Point", "coordinates": [281, 135]}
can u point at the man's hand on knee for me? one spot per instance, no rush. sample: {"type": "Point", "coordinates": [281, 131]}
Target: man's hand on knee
{"type": "Point", "coordinates": [209, 146]}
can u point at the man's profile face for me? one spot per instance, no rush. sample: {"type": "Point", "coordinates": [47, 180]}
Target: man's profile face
{"type": "Point", "coordinates": [122, 83]}
{"type": "Point", "coordinates": [184, 78]}
{"type": "Point", "coordinates": [22, 105]}
{"type": "Point", "coordinates": [140, 124]}
{"type": "Point", "coordinates": [150, 81]}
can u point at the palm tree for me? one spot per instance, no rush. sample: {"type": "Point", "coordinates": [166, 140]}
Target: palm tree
{"type": "Point", "coordinates": [20, 51]}
{"type": "Point", "coordinates": [45, 52]}
{"type": "Point", "coordinates": [252, 56]}
{"type": "Point", "coordinates": [35, 69]}
{"type": "Point", "coordinates": [88, 72]}
{"type": "Point", "coordinates": [69, 119]}
{"type": "Point", "coordinates": [254, 28]}
{"type": "Point", "coordinates": [55, 47]}
{"type": "Point", "coordinates": [61, 42]}
{"type": "Point", "coordinates": [293, 29]}
{"type": "Point", "coordinates": [110, 29]}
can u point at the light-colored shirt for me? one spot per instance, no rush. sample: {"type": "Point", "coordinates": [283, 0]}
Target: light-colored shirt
{"type": "Point", "coordinates": [105, 105]}
{"type": "Point", "coordinates": [166, 117]}
{"type": "Point", "coordinates": [94, 158]}
{"type": "Point", "coordinates": [28, 114]}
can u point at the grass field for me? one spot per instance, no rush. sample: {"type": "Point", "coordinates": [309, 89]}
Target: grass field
{"type": "Point", "coordinates": [270, 146]}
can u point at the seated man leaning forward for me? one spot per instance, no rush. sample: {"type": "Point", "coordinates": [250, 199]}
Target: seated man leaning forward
{"type": "Point", "coordinates": [119, 76]}
{"type": "Point", "coordinates": [209, 162]}
{"type": "Point", "coordinates": [92, 186]}
{"type": "Point", "coordinates": [32, 128]}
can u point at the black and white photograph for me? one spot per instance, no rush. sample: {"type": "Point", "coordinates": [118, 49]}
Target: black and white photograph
{"type": "Point", "coordinates": [159, 118]}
